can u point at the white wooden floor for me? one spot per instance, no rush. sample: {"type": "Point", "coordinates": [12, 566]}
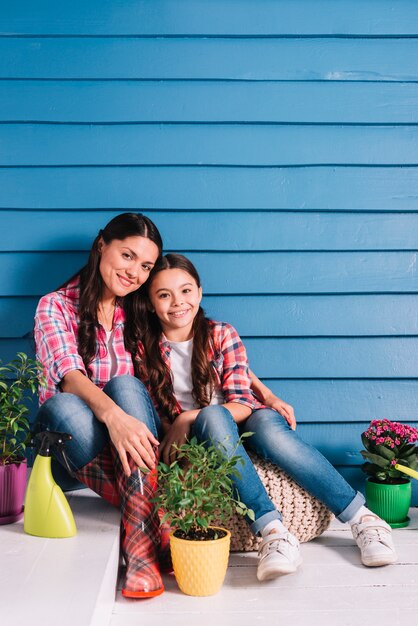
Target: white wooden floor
{"type": "Point", "coordinates": [62, 582]}
{"type": "Point", "coordinates": [71, 582]}
{"type": "Point", "coordinates": [332, 588]}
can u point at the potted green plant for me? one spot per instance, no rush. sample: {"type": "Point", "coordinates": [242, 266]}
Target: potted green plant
{"type": "Point", "coordinates": [18, 383]}
{"type": "Point", "coordinates": [195, 492]}
{"type": "Point", "coordinates": [388, 490]}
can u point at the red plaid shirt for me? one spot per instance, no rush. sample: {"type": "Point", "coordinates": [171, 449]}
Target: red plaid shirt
{"type": "Point", "coordinates": [56, 326]}
{"type": "Point", "coordinates": [229, 361]}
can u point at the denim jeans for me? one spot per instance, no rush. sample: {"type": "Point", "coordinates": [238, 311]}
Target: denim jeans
{"type": "Point", "coordinates": [274, 440]}
{"type": "Point", "coordinates": [66, 412]}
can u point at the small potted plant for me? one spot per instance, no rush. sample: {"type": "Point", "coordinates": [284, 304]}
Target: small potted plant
{"type": "Point", "coordinates": [195, 492]}
{"type": "Point", "coordinates": [388, 490]}
{"type": "Point", "coordinates": [18, 383]}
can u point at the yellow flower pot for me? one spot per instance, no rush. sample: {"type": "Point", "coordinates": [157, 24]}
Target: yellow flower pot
{"type": "Point", "coordinates": [200, 566]}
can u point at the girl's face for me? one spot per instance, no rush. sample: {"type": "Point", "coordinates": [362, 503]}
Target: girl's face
{"type": "Point", "coordinates": [175, 298]}
{"type": "Point", "coordinates": [125, 264]}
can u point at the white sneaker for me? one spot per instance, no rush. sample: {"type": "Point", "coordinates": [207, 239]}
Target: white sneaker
{"type": "Point", "coordinates": [374, 538]}
{"type": "Point", "coordinates": [279, 554]}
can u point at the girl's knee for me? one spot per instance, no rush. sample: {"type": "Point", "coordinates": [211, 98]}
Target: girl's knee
{"type": "Point", "coordinates": [268, 418]}
{"type": "Point", "coordinates": [215, 423]}
{"type": "Point", "coordinates": [213, 414]}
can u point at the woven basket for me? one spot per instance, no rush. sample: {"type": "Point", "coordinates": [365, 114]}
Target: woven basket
{"type": "Point", "coordinates": [302, 514]}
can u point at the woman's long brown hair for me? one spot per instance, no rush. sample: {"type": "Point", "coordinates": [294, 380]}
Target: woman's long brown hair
{"type": "Point", "coordinates": [91, 286]}
{"type": "Point", "coordinates": [154, 367]}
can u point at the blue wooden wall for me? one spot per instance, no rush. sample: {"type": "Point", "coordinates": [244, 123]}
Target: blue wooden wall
{"type": "Point", "coordinates": [274, 141]}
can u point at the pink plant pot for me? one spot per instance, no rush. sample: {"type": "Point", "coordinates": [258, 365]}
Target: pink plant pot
{"type": "Point", "coordinates": [12, 491]}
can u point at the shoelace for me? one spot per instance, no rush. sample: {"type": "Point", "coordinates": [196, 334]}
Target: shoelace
{"type": "Point", "coordinates": [273, 545]}
{"type": "Point", "coordinates": [373, 533]}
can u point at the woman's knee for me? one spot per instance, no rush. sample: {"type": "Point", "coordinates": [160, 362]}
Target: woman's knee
{"type": "Point", "coordinates": [120, 385]}
{"type": "Point", "coordinates": [67, 413]}
{"type": "Point", "coordinates": [62, 408]}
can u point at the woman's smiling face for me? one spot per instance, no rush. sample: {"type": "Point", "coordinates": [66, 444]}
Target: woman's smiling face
{"type": "Point", "coordinates": [175, 298]}
{"type": "Point", "coordinates": [125, 264]}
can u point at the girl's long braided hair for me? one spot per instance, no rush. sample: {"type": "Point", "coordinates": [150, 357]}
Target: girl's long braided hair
{"type": "Point", "coordinates": [153, 366]}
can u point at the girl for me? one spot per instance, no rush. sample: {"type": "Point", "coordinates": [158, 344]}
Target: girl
{"type": "Point", "coordinates": [197, 372]}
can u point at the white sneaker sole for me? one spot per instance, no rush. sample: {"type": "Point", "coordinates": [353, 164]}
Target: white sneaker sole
{"type": "Point", "coordinates": [275, 570]}
{"type": "Point", "coordinates": [379, 560]}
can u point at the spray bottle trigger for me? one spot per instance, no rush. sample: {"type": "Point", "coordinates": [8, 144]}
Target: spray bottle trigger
{"type": "Point", "coordinates": [61, 452]}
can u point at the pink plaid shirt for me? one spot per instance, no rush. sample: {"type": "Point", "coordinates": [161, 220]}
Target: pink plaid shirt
{"type": "Point", "coordinates": [56, 326]}
{"type": "Point", "coordinates": [229, 360]}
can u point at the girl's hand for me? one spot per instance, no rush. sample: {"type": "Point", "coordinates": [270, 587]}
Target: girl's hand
{"type": "Point", "coordinates": [281, 407]}
{"type": "Point", "coordinates": [177, 435]}
{"type": "Point", "coordinates": [130, 436]}
{"type": "Point", "coordinates": [268, 398]}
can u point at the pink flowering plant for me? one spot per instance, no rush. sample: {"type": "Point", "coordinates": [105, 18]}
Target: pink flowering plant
{"type": "Point", "coordinates": [386, 444]}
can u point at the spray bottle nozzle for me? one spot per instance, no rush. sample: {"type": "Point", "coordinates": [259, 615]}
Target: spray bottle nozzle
{"type": "Point", "coordinates": [50, 441]}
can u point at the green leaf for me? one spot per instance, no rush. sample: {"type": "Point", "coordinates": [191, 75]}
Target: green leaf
{"type": "Point", "coordinates": [202, 522]}
{"type": "Point", "coordinates": [387, 453]}
{"type": "Point", "coordinates": [251, 515]}
{"type": "Point", "coordinates": [375, 458]}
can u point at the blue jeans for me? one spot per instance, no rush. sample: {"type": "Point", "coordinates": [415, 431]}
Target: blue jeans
{"type": "Point", "coordinates": [275, 441]}
{"type": "Point", "coordinates": [66, 412]}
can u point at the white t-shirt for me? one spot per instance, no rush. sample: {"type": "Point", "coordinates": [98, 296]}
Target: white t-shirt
{"type": "Point", "coordinates": [181, 373]}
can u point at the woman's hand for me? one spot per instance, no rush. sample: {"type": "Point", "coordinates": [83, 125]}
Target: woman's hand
{"type": "Point", "coordinates": [130, 436]}
{"type": "Point", "coordinates": [176, 436]}
{"type": "Point", "coordinates": [281, 407]}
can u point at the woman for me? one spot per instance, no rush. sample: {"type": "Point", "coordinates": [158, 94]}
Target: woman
{"type": "Point", "coordinates": [197, 371]}
{"type": "Point", "coordinates": [87, 335]}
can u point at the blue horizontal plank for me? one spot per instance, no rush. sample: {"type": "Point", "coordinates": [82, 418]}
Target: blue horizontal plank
{"type": "Point", "coordinates": [261, 230]}
{"type": "Point", "coordinates": [274, 316]}
{"type": "Point", "coordinates": [334, 357]}
{"type": "Point", "coordinates": [226, 59]}
{"type": "Point", "coordinates": [321, 188]}
{"type": "Point", "coordinates": [331, 358]}
{"type": "Point", "coordinates": [210, 17]}
{"type": "Point", "coordinates": [340, 443]}
{"type": "Point", "coordinates": [299, 316]}
{"type": "Point", "coordinates": [237, 273]}
{"type": "Point", "coordinates": [357, 401]}
{"type": "Point", "coordinates": [213, 101]}
{"type": "Point", "coordinates": [202, 144]}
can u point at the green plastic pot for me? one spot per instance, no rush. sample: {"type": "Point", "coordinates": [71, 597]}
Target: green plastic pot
{"type": "Point", "coordinates": [390, 502]}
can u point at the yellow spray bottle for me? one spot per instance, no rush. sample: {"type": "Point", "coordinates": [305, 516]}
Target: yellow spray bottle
{"type": "Point", "coordinates": [47, 512]}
